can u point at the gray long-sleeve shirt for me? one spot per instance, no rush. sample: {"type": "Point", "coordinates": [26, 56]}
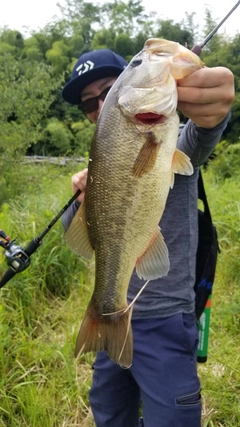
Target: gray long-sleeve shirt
{"type": "Point", "coordinates": [179, 226]}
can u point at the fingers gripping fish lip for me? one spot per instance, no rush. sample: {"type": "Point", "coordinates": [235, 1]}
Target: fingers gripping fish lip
{"type": "Point", "coordinates": [163, 47]}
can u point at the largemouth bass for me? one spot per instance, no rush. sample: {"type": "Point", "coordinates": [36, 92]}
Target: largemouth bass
{"type": "Point", "coordinates": [132, 163]}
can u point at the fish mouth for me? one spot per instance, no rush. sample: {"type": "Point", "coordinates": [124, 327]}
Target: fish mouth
{"type": "Point", "coordinates": [151, 118]}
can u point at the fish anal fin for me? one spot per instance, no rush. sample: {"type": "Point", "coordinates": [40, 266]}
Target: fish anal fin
{"type": "Point", "coordinates": [146, 158]}
{"type": "Point", "coordinates": [154, 263]}
{"type": "Point", "coordinates": [111, 333]}
{"type": "Point", "coordinates": [77, 234]}
{"type": "Point", "coordinates": [181, 163]}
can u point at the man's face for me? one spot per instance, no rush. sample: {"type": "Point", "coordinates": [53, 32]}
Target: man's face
{"type": "Point", "coordinates": [93, 96]}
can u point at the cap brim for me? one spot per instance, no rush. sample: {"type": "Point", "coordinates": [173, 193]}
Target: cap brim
{"type": "Point", "coordinates": [72, 90]}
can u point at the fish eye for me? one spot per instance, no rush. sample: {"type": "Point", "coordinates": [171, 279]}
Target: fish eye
{"type": "Point", "coordinates": [136, 63]}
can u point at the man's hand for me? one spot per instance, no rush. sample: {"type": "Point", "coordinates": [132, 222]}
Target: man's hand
{"type": "Point", "coordinates": [206, 96]}
{"type": "Point", "coordinates": [79, 181]}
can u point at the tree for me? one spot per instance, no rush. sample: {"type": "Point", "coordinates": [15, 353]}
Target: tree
{"type": "Point", "coordinates": [26, 92]}
{"type": "Point", "coordinates": [12, 37]}
{"type": "Point", "coordinates": [57, 56]}
{"type": "Point", "coordinates": [32, 49]}
{"type": "Point", "coordinates": [83, 132]}
{"type": "Point", "coordinates": [103, 38]}
{"type": "Point", "coordinates": [80, 17]}
{"type": "Point", "coordinates": [215, 43]}
{"type": "Point", "coordinates": [123, 17]}
{"type": "Point", "coordinates": [29, 101]}
{"type": "Point", "coordinates": [189, 25]}
{"type": "Point", "coordinates": [170, 31]}
{"type": "Point", "coordinates": [56, 139]}
{"type": "Point", "coordinates": [124, 46]}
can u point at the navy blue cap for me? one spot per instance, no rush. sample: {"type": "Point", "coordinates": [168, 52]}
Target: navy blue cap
{"type": "Point", "coordinates": [92, 66]}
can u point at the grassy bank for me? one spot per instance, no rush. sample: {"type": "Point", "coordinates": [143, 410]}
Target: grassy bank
{"type": "Point", "coordinates": [41, 308]}
{"type": "Point", "coordinates": [220, 376]}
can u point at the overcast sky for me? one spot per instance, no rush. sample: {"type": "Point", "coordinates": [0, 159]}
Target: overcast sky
{"type": "Point", "coordinates": [17, 14]}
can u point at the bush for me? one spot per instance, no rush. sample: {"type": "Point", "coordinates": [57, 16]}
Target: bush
{"type": "Point", "coordinates": [226, 162]}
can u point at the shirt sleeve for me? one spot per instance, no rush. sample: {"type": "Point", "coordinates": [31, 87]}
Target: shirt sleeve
{"type": "Point", "coordinates": [69, 214]}
{"type": "Point", "coordinates": [198, 143]}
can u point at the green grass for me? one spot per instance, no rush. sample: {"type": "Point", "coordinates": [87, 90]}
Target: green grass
{"type": "Point", "coordinates": [41, 309]}
{"type": "Point", "coordinates": [220, 376]}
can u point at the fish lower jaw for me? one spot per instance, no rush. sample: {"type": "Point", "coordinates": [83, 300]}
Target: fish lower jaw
{"type": "Point", "coordinates": [151, 118]}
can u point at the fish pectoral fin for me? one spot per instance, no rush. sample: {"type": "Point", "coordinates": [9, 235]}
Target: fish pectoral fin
{"type": "Point", "coordinates": [111, 333]}
{"type": "Point", "coordinates": [154, 263]}
{"type": "Point", "coordinates": [181, 163]}
{"type": "Point", "coordinates": [147, 156]}
{"type": "Point", "coordinates": [77, 234]}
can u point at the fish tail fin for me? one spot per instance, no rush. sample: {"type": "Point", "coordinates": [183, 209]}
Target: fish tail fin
{"type": "Point", "coordinates": [110, 332]}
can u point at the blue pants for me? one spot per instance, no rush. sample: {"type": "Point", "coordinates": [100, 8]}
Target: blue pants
{"type": "Point", "coordinates": [162, 380]}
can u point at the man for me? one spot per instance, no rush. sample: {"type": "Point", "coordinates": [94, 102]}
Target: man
{"type": "Point", "coordinates": [163, 376]}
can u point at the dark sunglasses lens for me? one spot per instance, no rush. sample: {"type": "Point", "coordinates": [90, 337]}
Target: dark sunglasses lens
{"type": "Point", "coordinates": [91, 105]}
{"type": "Point", "coordinates": [104, 93]}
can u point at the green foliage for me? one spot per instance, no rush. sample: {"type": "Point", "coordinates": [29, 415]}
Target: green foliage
{"type": "Point", "coordinates": [210, 23]}
{"type": "Point", "coordinates": [124, 46]}
{"type": "Point", "coordinates": [191, 27]}
{"type": "Point", "coordinates": [220, 376]}
{"type": "Point", "coordinates": [25, 97]}
{"type": "Point", "coordinates": [6, 49]}
{"type": "Point", "coordinates": [226, 163]}
{"type": "Point", "coordinates": [39, 316]}
{"type": "Point", "coordinates": [57, 56]}
{"type": "Point", "coordinates": [32, 49]}
{"type": "Point", "coordinates": [12, 37]}
{"type": "Point", "coordinates": [170, 31]}
{"type": "Point", "coordinates": [80, 17]}
{"type": "Point", "coordinates": [76, 46]}
{"type": "Point", "coordinates": [83, 132]}
{"type": "Point", "coordinates": [103, 38]}
{"type": "Point", "coordinates": [122, 26]}
{"type": "Point", "coordinates": [226, 54]}
{"type": "Point", "coordinates": [30, 213]}
{"type": "Point", "coordinates": [125, 17]}
{"type": "Point", "coordinates": [56, 139]}
{"type": "Point", "coordinates": [44, 41]}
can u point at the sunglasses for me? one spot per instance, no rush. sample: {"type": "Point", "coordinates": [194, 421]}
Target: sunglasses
{"type": "Point", "coordinates": [91, 104]}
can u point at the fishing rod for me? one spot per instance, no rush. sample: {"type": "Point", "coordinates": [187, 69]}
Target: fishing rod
{"type": "Point", "coordinates": [18, 259]}
{"type": "Point", "coordinates": [198, 48]}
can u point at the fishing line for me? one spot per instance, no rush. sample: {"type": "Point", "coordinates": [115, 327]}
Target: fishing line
{"type": "Point", "coordinates": [124, 310]}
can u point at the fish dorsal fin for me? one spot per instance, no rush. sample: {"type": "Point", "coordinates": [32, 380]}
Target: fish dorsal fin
{"type": "Point", "coordinates": [146, 158]}
{"type": "Point", "coordinates": [181, 163]}
{"type": "Point", "coordinates": [77, 234]}
{"type": "Point", "coordinates": [154, 263]}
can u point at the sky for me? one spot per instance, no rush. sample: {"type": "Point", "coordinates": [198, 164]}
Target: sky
{"type": "Point", "coordinates": [25, 15]}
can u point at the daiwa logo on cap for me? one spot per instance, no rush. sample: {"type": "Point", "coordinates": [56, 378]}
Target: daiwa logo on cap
{"type": "Point", "coordinates": [83, 68]}
{"type": "Point", "coordinates": [92, 66]}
